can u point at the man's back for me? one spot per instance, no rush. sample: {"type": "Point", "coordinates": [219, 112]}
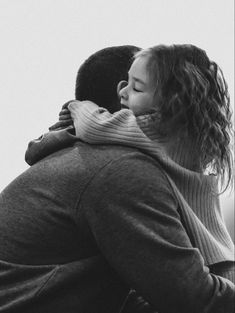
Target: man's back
{"type": "Point", "coordinates": [46, 244]}
{"type": "Point", "coordinates": [79, 225]}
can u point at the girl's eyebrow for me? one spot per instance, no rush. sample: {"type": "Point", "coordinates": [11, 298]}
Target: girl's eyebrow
{"type": "Point", "coordinates": [138, 80]}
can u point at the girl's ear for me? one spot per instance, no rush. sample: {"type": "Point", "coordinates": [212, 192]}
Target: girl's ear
{"type": "Point", "coordinates": [120, 86]}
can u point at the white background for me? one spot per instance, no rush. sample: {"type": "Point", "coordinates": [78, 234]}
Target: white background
{"type": "Point", "coordinates": [43, 42]}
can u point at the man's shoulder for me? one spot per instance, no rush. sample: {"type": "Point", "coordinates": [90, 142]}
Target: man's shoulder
{"type": "Point", "coordinates": [112, 150]}
{"type": "Point", "coordinates": [85, 162]}
{"type": "Point", "coordinates": [116, 155]}
{"type": "Point", "coordinates": [120, 162]}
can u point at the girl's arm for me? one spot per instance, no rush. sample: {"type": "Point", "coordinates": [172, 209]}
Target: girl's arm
{"type": "Point", "coordinates": [95, 125]}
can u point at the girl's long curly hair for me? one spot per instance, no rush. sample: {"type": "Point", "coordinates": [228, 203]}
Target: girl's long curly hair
{"type": "Point", "coordinates": [192, 99]}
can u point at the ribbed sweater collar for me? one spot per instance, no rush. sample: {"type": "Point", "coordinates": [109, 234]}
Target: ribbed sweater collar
{"type": "Point", "coordinates": [201, 211]}
{"type": "Point", "coordinates": [180, 150]}
{"type": "Point", "coordinates": [178, 159]}
{"type": "Point", "coordinates": [179, 156]}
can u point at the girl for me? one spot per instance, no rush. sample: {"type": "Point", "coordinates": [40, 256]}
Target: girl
{"type": "Point", "coordinates": [176, 108]}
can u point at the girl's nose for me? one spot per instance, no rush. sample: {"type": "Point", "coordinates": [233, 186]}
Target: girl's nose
{"type": "Point", "coordinates": [121, 89]}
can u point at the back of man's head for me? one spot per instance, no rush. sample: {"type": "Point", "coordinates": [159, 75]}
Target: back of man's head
{"type": "Point", "coordinates": [99, 75]}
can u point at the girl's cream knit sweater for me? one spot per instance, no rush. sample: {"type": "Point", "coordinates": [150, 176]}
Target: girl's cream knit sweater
{"type": "Point", "coordinates": [196, 192]}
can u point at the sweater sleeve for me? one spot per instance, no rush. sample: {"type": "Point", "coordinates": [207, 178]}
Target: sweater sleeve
{"type": "Point", "coordinates": [96, 125]}
{"type": "Point", "coordinates": [134, 219]}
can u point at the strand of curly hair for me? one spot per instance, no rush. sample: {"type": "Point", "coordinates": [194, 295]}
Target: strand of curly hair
{"type": "Point", "coordinates": [200, 104]}
{"type": "Point", "coordinates": [192, 99]}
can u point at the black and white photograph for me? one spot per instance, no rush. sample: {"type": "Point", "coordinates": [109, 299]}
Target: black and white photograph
{"type": "Point", "coordinates": [117, 160]}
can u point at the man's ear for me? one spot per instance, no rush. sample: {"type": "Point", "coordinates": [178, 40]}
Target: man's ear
{"type": "Point", "coordinates": [121, 84]}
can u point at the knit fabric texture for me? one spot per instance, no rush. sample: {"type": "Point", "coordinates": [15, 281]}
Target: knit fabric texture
{"type": "Point", "coordinates": [196, 192]}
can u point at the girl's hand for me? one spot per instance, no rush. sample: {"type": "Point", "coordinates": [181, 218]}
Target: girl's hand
{"type": "Point", "coordinates": [65, 119]}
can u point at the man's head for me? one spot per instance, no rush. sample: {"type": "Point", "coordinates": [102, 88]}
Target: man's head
{"type": "Point", "coordinates": [99, 75]}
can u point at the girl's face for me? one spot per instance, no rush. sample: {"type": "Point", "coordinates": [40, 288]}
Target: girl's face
{"type": "Point", "coordinates": [138, 94]}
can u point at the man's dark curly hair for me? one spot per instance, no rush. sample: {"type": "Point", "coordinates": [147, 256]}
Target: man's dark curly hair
{"type": "Point", "coordinates": [99, 75]}
{"type": "Point", "coordinates": [192, 99]}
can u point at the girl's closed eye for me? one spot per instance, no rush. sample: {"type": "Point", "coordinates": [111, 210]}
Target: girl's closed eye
{"type": "Point", "coordinates": [137, 90]}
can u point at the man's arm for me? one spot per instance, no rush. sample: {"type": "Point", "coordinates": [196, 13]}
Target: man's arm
{"type": "Point", "coordinates": [134, 219]}
{"type": "Point", "coordinates": [49, 143]}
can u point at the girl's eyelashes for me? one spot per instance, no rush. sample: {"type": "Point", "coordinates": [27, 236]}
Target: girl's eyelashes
{"type": "Point", "coordinates": [137, 90]}
{"type": "Point", "coordinates": [130, 84]}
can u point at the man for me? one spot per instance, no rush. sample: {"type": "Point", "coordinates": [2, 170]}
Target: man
{"type": "Point", "coordinates": [84, 223]}
{"type": "Point", "coordinates": [96, 80]}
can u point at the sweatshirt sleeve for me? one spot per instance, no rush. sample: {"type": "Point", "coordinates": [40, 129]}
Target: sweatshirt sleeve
{"type": "Point", "coordinates": [134, 219]}
{"type": "Point", "coordinates": [49, 143]}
